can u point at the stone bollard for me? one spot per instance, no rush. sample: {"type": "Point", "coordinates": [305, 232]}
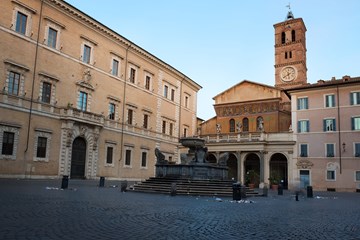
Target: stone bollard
{"type": "Point", "coordinates": [123, 186]}
{"type": "Point", "coordinates": [265, 191]}
{"type": "Point", "coordinates": [65, 182]}
{"type": "Point", "coordinates": [173, 189]}
{"type": "Point", "coordinates": [102, 182]}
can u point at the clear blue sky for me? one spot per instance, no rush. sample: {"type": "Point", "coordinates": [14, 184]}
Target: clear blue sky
{"type": "Point", "coordinates": [220, 43]}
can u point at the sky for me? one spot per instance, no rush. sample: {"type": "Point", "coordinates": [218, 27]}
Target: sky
{"type": "Point", "coordinates": [219, 43]}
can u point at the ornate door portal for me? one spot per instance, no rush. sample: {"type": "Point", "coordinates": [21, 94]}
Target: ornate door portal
{"type": "Point", "coordinates": [78, 158]}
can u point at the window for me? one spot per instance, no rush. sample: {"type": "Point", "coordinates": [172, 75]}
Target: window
{"type": "Point", "coordinates": [286, 55]}
{"type": "Point", "coordinates": [302, 103]}
{"type": "Point", "coordinates": [330, 150]}
{"type": "Point", "coordinates": [166, 89]}
{"type": "Point", "coordinates": [185, 132]}
{"type": "Point", "coordinates": [303, 126]}
{"type": "Point", "coordinates": [172, 94]}
{"type": "Point", "coordinates": [112, 111]}
{"type": "Point", "coordinates": [130, 116]}
{"type": "Point", "coordinates": [8, 143]}
{"type": "Point", "coordinates": [355, 98]}
{"type": "Point", "coordinates": [115, 67]}
{"type": "Point", "coordinates": [329, 125]}
{"type": "Point", "coordinates": [143, 159]}
{"type": "Point", "coordinates": [82, 102]}
{"type": "Point", "coordinates": [357, 176]}
{"type": "Point", "coordinates": [245, 124]}
{"type": "Point", "coordinates": [357, 149]}
{"type": "Point", "coordinates": [147, 82]}
{"type": "Point", "coordinates": [46, 92]}
{"type": "Point", "coordinates": [303, 150]}
{"type": "Point", "coordinates": [132, 75]}
{"type": "Point", "coordinates": [128, 157]}
{"type": "Point", "coordinates": [290, 54]}
{"type": "Point", "coordinates": [283, 37]}
{"type": "Point", "coordinates": [41, 147]}
{"type": "Point", "coordinates": [164, 127]}
{"type": "Point", "coordinates": [186, 101]}
{"type": "Point", "coordinates": [109, 155]}
{"type": "Point", "coordinates": [146, 121]}
{"type": "Point", "coordinates": [232, 125]}
{"type": "Point", "coordinates": [355, 123]}
{"type": "Point", "coordinates": [14, 83]}
{"type": "Point", "coordinates": [330, 100]}
{"type": "Point", "coordinates": [86, 54]}
{"type": "Point", "coordinates": [293, 36]}
{"type": "Point", "coordinates": [52, 37]}
{"type": "Point", "coordinates": [21, 21]}
{"type": "Point", "coordinates": [171, 127]}
{"type": "Point", "coordinates": [330, 175]}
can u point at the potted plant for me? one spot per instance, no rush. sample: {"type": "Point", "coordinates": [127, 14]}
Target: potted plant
{"type": "Point", "coordinates": [274, 180]}
{"type": "Point", "coordinates": [252, 178]}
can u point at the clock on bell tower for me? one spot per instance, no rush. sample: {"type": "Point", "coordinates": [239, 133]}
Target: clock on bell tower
{"type": "Point", "coordinates": [290, 53]}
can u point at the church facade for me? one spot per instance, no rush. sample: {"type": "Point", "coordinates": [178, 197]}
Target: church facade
{"type": "Point", "coordinates": [79, 99]}
{"type": "Point", "coordinates": [262, 127]}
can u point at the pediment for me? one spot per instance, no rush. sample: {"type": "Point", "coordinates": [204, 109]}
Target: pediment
{"type": "Point", "coordinates": [86, 85]}
{"type": "Point", "coordinates": [247, 91]}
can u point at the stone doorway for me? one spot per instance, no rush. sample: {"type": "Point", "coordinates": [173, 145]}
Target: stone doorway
{"type": "Point", "coordinates": [78, 158]}
{"type": "Point", "coordinates": [279, 168]}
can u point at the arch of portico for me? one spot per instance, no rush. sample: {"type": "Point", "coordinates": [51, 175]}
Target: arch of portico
{"type": "Point", "coordinates": [262, 161]}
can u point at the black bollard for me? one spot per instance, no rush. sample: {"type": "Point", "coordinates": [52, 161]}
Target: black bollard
{"type": "Point", "coordinates": [309, 191]}
{"type": "Point", "coordinates": [280, 189]}
{"type": "Point", "coordinates": [65, 182]}
{"type": "Point", "coordinates": [297, 196]}
{"type": "Point", "coordinates": [102, 182]}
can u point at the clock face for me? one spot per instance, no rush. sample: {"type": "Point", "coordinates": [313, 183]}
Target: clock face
{"type": "Point", "coordinates": [288, 74]}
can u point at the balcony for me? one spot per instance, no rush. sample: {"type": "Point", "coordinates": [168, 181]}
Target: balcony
{"type": "Point", "coordinates": [81, 116]}
{"type": "Point", "coordinates": [248, 137]}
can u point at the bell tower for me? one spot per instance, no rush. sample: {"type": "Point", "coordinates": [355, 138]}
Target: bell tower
{"type": "Point", "coordinates": [290, 52]}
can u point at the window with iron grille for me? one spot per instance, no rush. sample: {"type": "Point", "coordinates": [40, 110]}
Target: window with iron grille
{"type": "Point", "coordinates": [41, 147]}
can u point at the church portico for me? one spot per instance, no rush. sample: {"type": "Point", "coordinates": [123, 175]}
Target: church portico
{"type": "Point", "coordinates": [265, 158]}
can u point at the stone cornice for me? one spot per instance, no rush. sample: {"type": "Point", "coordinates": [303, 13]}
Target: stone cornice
{"type": "Point", "coordinates": [289, 63]}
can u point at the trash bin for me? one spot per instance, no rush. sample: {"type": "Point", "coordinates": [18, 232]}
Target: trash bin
{"type": "Point", "coordinates": [102, 182]}
{"type": "Point", "coordinates": [280, 189]}
{"type": "Point", "coordinates": [65, 182]}
{"type": "Point", "coordinates": [236, 191]}
{"type": "Point", "coordinates": [309, 191]}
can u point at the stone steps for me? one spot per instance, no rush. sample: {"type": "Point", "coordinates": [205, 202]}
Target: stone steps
{"type": "Point", "coordinates": [189, 187]}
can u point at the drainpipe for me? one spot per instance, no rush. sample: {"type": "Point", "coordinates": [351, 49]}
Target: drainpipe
{"type": "Point", "coordinates": [33, 83]}
{"type": "Point", "coordinates": [339, 126]}
{"type": "Point", "coordinates": [123, 109]}
{"type": "Point", "coordinates": [179, 125]}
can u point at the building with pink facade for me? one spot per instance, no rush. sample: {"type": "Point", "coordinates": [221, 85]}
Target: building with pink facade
{"type": "Point", "coordinates": [326, 128]}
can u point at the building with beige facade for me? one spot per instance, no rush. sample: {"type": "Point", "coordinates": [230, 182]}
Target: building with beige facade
{"type": "Point", "coordinates": [79, 99]}
{"type": "Point", "coordinates": [326, 120]}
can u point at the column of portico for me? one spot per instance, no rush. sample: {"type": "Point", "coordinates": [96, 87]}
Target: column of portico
{"type": "Point", "coordinates": [239, 166]}
{"type": "Point", "coordinates": [266, 167]}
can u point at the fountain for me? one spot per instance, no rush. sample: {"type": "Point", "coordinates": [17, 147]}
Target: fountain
{"type": "Point", "coordinates": [193, 163]}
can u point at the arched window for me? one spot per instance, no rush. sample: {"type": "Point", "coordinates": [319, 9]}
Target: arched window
{"type": "Point", "coordinates": [232, 125]}
{"type": "Point", "coordinates": [293, 38]}
{"type": "Point", "coordinates": [260, 124]}
{"type": "Point", "coordinates": [285, 55]}
{"type": "Point", "coordinates": [283, 37]}
{"type": "Point", "coordinates": [290, 54]}
{"type": "Point", "coordinates": [245, 124]}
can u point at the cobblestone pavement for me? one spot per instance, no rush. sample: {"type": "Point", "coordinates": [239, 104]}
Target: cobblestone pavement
{"type": "Point", "coordinates": [38, 209]}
